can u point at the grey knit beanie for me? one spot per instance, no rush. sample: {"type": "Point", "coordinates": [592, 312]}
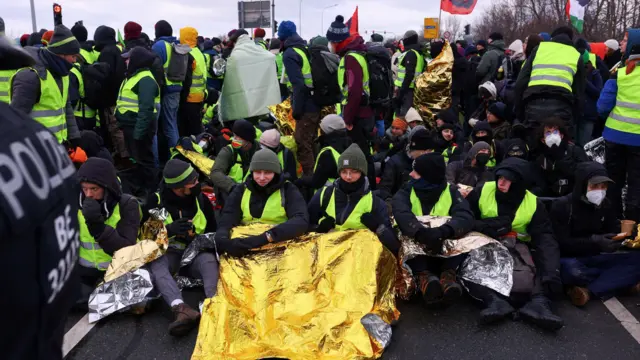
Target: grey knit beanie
{"type": "Point", "coordinates": [353, 158]}
{"type": "Point", "coordinates": [480, 145]}
{"type": "Point", "coordinates": [63, 42]}
{"type": "Point", "coordinates": [265, 159]}
{"type": "Point", "coordinates": [331, 123]}
{"type": "Point", "coordinates": [178, 173]}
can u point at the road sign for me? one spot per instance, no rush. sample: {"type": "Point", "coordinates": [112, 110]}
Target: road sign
{"type": "Point", "coordinates": [254, 14]}
{"type": "Point", "coordinates": [431, 28]}
{"type": "Point", "coordinates": [447, 35]}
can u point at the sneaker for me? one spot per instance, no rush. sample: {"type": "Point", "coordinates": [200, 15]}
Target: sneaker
{"type": "Point", "coordinates": [186, 319]}
{"type": "Point", "coordinates": [579, 296]}
{"type": "Point", "coordinates": [430, 288]}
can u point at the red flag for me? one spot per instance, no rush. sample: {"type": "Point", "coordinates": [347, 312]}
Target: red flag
{"type": "Point", "coordinates": [458, 7]}
{"type": "Point", "coordinates": [353, 23]}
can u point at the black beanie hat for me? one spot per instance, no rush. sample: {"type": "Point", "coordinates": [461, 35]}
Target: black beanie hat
{"type": "Point", "coordinates": [338, 31]}
{"type": "Point", "coordinates": [178, 173]}
{"type": "Point", "coordinates": [422, 140]}
{"type": "Point", "coordinates": [496, 36]}
{"type": "Point", "coordinates": [563, 30]}
{"type": "Point", "coordinates": [163, 28]}
{"type": "Point", "coordinates": [482, 126]}
{"type": "Point", "coordinates": [245, 130]}
{"type": "Point", "coordinates": [447, 126]}
{"type": "Point", "coordinates": [431, 167]}
{"type": "Point", "coordinates": [377, 38]}
{"type": "Point", "coordinates": [79, 31]}
{"type": "Point", "coordinates": [63, 42]}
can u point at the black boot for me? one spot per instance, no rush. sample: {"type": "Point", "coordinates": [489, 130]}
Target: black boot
{"type": "Point", "coordinates": [538, 312]}
{"type": "Point", "coordinates": [452, 290]}
{"type": "Point", "coordinates": [497, 309]}
{"type": "Point", "coordinates": [430, 288]}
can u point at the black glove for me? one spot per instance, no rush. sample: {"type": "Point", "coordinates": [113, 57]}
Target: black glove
{"type": "Point", "coordinates": [256, 241]}
{"type": "Point", "coordinates": [552, 286]}
{"type": "Point", "coordinates": [495, 227]}
{"type": "Point", "coordinates": [179, 227]}
{"type": "Point", "coordinates": [91, 211]}
{"type": "Point", "coordinates": [432, 238]}
{"type": "Point", "coordinates": [326, 225]}
{"type": "Point", "coordinates": [606, 243]}
{"type": "Point", "coordinates": [369, 220]}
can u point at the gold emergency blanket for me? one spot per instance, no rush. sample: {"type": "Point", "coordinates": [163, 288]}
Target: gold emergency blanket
{"type": "Point", "coordinates": [433, 86]}
{"type": "Point", "coordinates": [201, 162]}
{"type": "Point", "coordinates": [284, 118]}
{"type": "Point", "coordinates": [311, 298]}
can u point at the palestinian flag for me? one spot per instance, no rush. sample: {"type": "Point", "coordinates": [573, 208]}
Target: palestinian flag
{"type": "Point", "coordinates": [575, 12]}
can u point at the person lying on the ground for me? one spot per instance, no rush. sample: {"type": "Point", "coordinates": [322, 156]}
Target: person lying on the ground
{"type": "Point", "coordinates": [586, 228]}
{"type": "Point", "coordinates": [472, 171]}
{"type": "Point", "coordinates": [109, 220]}
{"type": "Point", "coordinates": [190, 214]}
{"type": "Point", "coordinates": [265, 198]}
{"type": "Point", "coordinates": [270, 139]}
{"type": "Point", "coordinates": [428, 193]}
{"type": "Point", "coordinates": [349, 204]}
{"type": "Point", "coordinates": [506, 210]}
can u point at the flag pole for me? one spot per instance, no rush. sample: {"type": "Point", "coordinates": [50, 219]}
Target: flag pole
{"type": "Point", "coordinates": [440, 21]}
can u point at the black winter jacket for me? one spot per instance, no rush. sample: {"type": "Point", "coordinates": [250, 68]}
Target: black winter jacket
{"type": "Point", "coordinates": [327, 167]}
{"type": "Point", "coordinates": [105, 40]}
{"type": "Point", "coordinates": [559, 173]}
{"type": "Point", "coordinates": [461, 172]}
{"type": "Point", "coordinates": [395, 175]}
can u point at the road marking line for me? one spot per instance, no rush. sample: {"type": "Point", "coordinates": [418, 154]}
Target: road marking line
{"type": "Point", "coordinates": [77, 333]}
{"type": "Point", "coordinates": [623, 315]}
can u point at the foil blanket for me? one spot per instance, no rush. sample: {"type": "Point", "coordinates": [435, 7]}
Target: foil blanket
{"type": "Point", "coordinates": [284, 119]}
{"type": "Point", "coordinates": [433, 86]}
{"type": "Point", "coordinates": [488, 264]}
{"type": "Point", "coordinates": [310, 298]}
{"type": "Point", "coordinates": [201, 162]}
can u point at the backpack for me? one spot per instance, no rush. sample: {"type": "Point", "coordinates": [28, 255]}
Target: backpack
{"type": "Point", "coordinates": [177, 69]}
{"type": "Point", "coordinates": [94, 76]}
{"type": "Point", "coordinates": [326, 91]}
{"type": "Point", "coordinates": [380, 77]}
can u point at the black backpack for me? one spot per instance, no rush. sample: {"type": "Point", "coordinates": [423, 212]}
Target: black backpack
{"type": "Point", "coordinates": [94, 76]}
{"type": "Point", "coordinates": [380, 77]}
{"type": "Point", "coordinates": [326, 91]}
{"type": "Point", "coordinates": [177, 68]}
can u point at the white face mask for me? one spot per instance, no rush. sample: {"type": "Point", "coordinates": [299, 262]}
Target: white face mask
{"type": "Point", "coordinates": [553, 139]}
{"type": "Point", "coordinates": [596, 196]}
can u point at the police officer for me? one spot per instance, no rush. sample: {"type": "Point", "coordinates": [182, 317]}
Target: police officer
{"type": "Point", "coordinates": [428, 193]}
{"type": "Point", "coordinates": [39, 231]}
{"type": "Point", "coordinates": [264, 198]}
{"type": "Point", "coordinates": [410, 65]}
{"type": "Point", "coordinates": [190, 214]}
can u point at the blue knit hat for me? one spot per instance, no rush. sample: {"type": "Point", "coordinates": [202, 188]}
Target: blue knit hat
{"type": "Point", "coordinates": [338, 31]}
{"type": "Point", "coordinates": [545, 36]}
{"type": "Point", "coordinates": [286, 29]}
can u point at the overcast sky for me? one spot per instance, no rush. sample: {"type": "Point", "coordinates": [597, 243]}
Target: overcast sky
{"type": "Point", "coordinates": [215, 17]}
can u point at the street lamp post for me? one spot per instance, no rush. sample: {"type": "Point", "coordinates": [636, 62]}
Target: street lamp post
{"type": "Point", "coordinates": [33, 17]}
{"type": "Point", "coordinates": [322, 17]}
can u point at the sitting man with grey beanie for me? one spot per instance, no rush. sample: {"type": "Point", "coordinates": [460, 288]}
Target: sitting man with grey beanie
{"type": "Point", "coordinates": [349, 204]}
{"type": "Point", "coordinates": [265, 198]}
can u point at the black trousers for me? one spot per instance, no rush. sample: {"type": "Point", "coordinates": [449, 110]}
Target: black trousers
{"type": "Point", "coordinates": [623, 166]}
{"type": "Point", "coordinates": [190, 119]}
{"type": "Point", "coordinates": [435, 265]}
{"type": "Point", "coordinates": [142, 152]}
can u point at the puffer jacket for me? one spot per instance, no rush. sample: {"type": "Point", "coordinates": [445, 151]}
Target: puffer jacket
{"type": "Point", "coordinates": [105, 43]}
{"type": "Point", "coordinates": [395, 175]}
{"type": "Point", "coordinates": [488, 67]}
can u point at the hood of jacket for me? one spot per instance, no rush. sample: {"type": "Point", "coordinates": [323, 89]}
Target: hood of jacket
{"type": "Point", "coordinates": [40, 63]}
{"type": "Point", "coordinates": [516, 192]}
{"type": "Point", "coordinates": [584, 172]}
{"type": "Point", "coordinates": [91, 142]}
{"type": "Point", "coordinates": [189, 36]}
{"type": "Point", "coordinates": [498, 45]}
{"type": "Point", "coordinates": [633, 39]}
{"type": "Point", "coordinates": [13, 57]}
{"type": "Point", "coordinates": [294, 40]}
{"type": "Point", "coordinates": [169, 39]}
{"type": "Point", "coordinates": [141, 58]}
{"type": "Point", "coordinates": [104, 36]}
{"type": "Point", "coordinates": [100, 172]}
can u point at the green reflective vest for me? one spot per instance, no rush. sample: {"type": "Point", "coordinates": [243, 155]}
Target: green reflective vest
{"type": "Point", "coordinates": [81, 110]}
{"type": "Point", "coordinates": [91, 254]}
{"type": "Point", "coordinates": [89, 56]}
{"type": "Point", "coordinates": [306, 70]}
{"type": "Point", "coordinates": [199, 222]}
{"type": "Point", "coordinates": [447, 153]}
{"type": "Point", "coordinates": [199, 77]}
{"type": "Point", "coordinates": [489, 209]}
{"type": "Point", "coordinates": [5, 84]}
{"type": "Point", "coordinates": [555, 64]}
{"type": "Point", "coordinates": [236, 173]}
{"type": "Point", "coordinates": [273, 213]}
{"type": "Point", "coordinates": [209, 114]}
{"type": "Point", "coordinates": [365, 76]}
{"type": "Point", "coordinates": [365, 205]}
{"type": "Point", "coordinates": [279, 65]}
{"type": "Point", "coordinates": [262, 44]}
{"type": "Point", "coordinates": [441, 208]}
{"type": "Point", "coordinates": [402, 71]}
{"type": "Point", "coordinates": [128, 99]}
{"type": "Point", "coordinates": [625, 116]}
{"type": "Point", "coordinates": [336, 156]}
{"type": "Point", "coordinates": [169, 50]}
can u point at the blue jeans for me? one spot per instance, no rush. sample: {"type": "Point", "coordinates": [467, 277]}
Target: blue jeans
{"type": "Point", "coordinates": [584, 129]}
{"type": "Point", "coordinates": [602, 274]}
{"type": "Point", "coordinates": [169, 118]}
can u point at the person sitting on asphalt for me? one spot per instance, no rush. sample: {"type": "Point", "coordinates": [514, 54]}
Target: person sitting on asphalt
{"type": "Point", "coordinates": [429, 194]}
{"type": "Point", "coordinates": [413, 118]}
{"type": "Point", "coordinates": [394, 140]}
{"type": "Point", "coordinates": [446, 144]}
{"type": "Point", "coordinates": [506, 210]}
{"type": "Point", "coordinates": [265, 198]}
{"type": "Point", "coordinates": [190, 214]}
{"type": "Point", "coordinates": [497, 118]}
{"type": "Point", "coordinates": [450, 118]}
{"type": "Point", "coordinates": [349, 204]}
{"type": "Point", "coordinates": [482, 132]}
{"type": "Point", "coordinates": [585, 226]}
{"type": "Point", "coordinates": [109, 220]}
{"type": "Point", "coordinates": [472, 171]}
{"type": "Point", "coordinates": [231, 167]}
{"type": "Point", "coordinates": [270, 139]}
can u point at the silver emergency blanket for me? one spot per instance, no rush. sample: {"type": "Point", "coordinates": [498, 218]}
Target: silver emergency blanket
{"type": "Point", "coordinates": [488, 264]}
{"type": "Point", "coordinates": [595, 150]}
{"type": "Point", "coordinates": [129, 289]}
{"type": "Point", "coordinates": [201, 242]}
{"type": "Point", "coordinates": [377, 328]}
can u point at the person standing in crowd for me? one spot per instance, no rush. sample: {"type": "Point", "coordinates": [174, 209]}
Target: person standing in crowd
{"type": "Point", "coordinates": [7, 71]}
{"type": "Point", "coordinates": [496, 117]}
{"type": "Point", "coordinates": [618, 102]}
{"type": "Point", "coordinates": [458, 77]}
{"type": "Point", "coordinates": [613, 55]}
{"type": "Point", "coordinates": [270, 139]}
{"type": "Point", "coordinates": [551, 83]}
{"type": "Point", "coordinates": [190, 214]}
{"type": "Point", "coordinates": [171, 92]}
{"type": "Point", "coordinates": [85, 115]}
{"type": "Point", "coordinates": [258, 37]}
{"type": "Point", "coordinates": [213, 51]}
{"type": "Point", "coordinates": [492, 60]}
{"type": "Point", "coordinates": [39, 230]}
{"type": "Point", "coordinates": [410, 65]}
{"type": "Point", "coordinates": [194, 86]}
{"type": "Point", "coordinates": [481, 47]}
{"type": "Point", "coordinates": [593, 87]}
{"type": "Point", "coordinates": [275, 46]}
{"type": "Point", "coordinates": [298, 79]}
{"type": "Point", "coordinates": [87, 54]}
{"type": "Point", "coordinates": [349, 204]}
{"type": "Point", "coordinates": [586, 226]}
{"type": "Point", "coordinates": [429, 193]}
{"type": "Point", "coordinates": [137, 113]}
{"type": "Point", "coordinates": [264, 198]}
{"type": "Point", "coordinates": [531, 42]}
{"type": "Point", "coordinates": [506, 210]}
{"type": "Point", "coordinates": [42, 91]}
{"type": "Point", "coordinates": [472, 171]}
{"type": "Point", "coordinates": [46, 38]}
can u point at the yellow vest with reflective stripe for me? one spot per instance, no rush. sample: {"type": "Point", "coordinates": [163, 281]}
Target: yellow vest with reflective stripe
{"type": "Point", "coordinates": [402, 71]}
{"type": "Point", "coordinates": [91, 254]}
{"type": "Point", "coordinates": [555, 64]}
{"type": "Point", "coordinates": [365, 76]}
{"type": "Point", "coordinates": [448, 152]}
{"type": "Point", "coordinates": [489, 209]}
{"type": "Point", "coordinates": [441, 208]}
{"type": "Point", "coordinates": [199, 222]}
{"type": "Point", "coordinates": [209, 114]}
{"type": "Point", "coordinates": [365, 205]}
{"type": "Point", "coordinates": [89, 56]}
{"type": "Point", "coordinates": [199, 77]}
{"type": "Point", "coordinates": [336, 156]}
{"type": "Point", "coordinates": [236, 173]}
{"type": "Point", "coordinates": [279, 66]}
{"type": "Point", "coordinates": [128, 100]}
{"type": "Point", "coordinates": [77, 111]}
{"type": "Point", "coordinates": [169, 50]}
{"type": "Point", "coordinates": [262, 44]}
{"type": "Point", "coordinates": [273, 212]}
{"type": "Point", "coordinates": [625, 116]}
{"type": "Point", "coordinates": [306, 70]}
{"type": "Point", "coordinates": [5, 84]}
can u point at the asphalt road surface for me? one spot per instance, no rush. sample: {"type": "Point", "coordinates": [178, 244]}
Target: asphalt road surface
{"type": "Point", "coordinates": [599, 331]}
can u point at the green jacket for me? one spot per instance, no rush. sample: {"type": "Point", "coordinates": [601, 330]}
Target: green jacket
{"type": "Point", "coordinates": [224, 161]}
{"type": "Point", "coordinates": [147, 90]}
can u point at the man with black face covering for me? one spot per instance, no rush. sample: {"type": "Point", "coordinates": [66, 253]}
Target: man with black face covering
{"type": "Point", "coordinates": [410, 65]}
{"type": "Point", "coordinates": [482, 132]}
{"type": "Point", "coordinates": [190, 214]}
{"type": "Point", "coordinates": [507, 211]}
{"type": "Point", "coordinates": [471, 171]}
{"type": "Point", "coordinates": [429, 194]}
